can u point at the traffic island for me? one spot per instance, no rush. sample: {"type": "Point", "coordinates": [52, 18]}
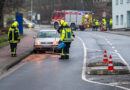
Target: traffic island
{"type": "Point", "coordinates": [95, 64]}
{"type": "Point", "coordinates": [106, 72]}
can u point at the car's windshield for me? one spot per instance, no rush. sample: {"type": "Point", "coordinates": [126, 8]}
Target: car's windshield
{"type": "Point", "coordinates": [27, 21]}
{"type": "Point", "coordinates": [48, 34]}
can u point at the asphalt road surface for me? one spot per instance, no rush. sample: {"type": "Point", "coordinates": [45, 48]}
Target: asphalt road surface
{"type": "Point", "coordinates": [50, 73]}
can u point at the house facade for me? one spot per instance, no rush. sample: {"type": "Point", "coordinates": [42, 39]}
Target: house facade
{"type": "Point", "coordinates": [121, 14]}
{"type": "Point", "coordinates": [101, 1]}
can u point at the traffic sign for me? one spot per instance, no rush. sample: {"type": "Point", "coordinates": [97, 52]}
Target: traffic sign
{"type": "Point", "coordinates": [38, 17]}
{"type": "Point", "coordinates": [104, 14]}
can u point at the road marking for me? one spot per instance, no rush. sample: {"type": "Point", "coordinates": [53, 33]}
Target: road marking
{"type": "Point", "coordinates": [11, 70]}
{"type": "Point", "coordinates": [113, 47]}
{"type": "Point", "coordinates": [84, 69]}
{"type": "Point", "coordinates": [119, 55]}
{"type": "Point", "coordinates": [116, 51]}
{"type": "Point", "coordinates": [123, 60]}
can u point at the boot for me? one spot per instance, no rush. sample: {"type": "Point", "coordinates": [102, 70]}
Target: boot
{"type": "Point", "coordinates": [15, 55]}
{"type": "Point", "coordinates": [66, 57]}
{"type": "Point", "coordinates": [62, 57]}
{"type": "Point", "coordinates": [12, 55]}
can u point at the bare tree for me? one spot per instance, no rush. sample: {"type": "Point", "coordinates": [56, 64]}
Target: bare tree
{"type": "Point", "coordinates": [1, 12]}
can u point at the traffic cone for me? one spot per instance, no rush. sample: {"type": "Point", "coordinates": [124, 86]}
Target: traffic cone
{"type": "Point", "coordinates": [110, 64]}
{"type": "Point", "coordinates": [105, 59]}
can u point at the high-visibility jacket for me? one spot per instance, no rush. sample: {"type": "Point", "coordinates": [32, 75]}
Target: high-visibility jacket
{"type": "Point", "coordinates": [110, 22]}
{"type": "Point", "coordinates": [13, 35]}
{"type": "Point", "coordinates": [66, 35]}
{"type": "Point", "coordinates": [104, 23]}
{"type": "Point", "coordinates": [96, 23]}
{"type": "Point", "coordinates": [60, 29]}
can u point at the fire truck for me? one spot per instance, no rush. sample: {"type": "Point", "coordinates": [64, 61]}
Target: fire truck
{"type": "Point", "coordinates": [76, 19]}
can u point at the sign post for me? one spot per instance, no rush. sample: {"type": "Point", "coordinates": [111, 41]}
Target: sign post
{"type": "Point", "coordinates": [19, 19]}
{"type": "Point", "coordinates": [38, 18]}
{"type": "Point", "coordinates": [104, 14]}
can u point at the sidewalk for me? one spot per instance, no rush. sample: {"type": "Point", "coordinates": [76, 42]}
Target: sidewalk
{"type": "Point", "coordinates": [24, 48]}
{"type": "Point", "coordinates": [126, 33]}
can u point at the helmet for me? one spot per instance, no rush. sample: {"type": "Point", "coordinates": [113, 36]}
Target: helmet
{"type": "Point", "coordinates": [61, 22]}
{"type": "Point", "coordinates": [15, 24]}
{"type": "Point", "coordinates": [65, 24]}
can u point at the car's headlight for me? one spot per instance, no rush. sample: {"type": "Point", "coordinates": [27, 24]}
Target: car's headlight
{"type": "Point", "coordinates": [55, 43]}
{"type": "Point", "coordinates": [37, 43]}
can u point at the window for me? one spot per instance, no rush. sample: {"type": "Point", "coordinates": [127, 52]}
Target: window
{"type": "Point", "coordinates": [117, 2]}
{"type": "Point", "coordinates": [117, 20]}
{"type": "Point", "coordinates": [121, 20]}
{"type": "Point", "coordinates": [128, 1]}
{"type": "Point", "coordinates": [121, 1]}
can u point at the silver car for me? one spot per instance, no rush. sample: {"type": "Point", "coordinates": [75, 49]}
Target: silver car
{"type": "Point", "coordinates": [46, 40]}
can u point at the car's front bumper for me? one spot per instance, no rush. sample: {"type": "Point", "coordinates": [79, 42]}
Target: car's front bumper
{"type": "Point", "coordinates": [45, 47]}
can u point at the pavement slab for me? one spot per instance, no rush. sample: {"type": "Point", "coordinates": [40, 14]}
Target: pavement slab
{"type": "Point", "coordinates": [24, 48]}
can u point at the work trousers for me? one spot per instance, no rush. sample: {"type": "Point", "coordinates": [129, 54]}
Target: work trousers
{"type": "Point", "coordinates": [65, 51]}
{"type": "Point", "coordinates": [13, 47]}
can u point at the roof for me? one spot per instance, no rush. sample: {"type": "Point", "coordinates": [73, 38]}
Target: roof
{"type": "Point", "coordinates": [43, 30]}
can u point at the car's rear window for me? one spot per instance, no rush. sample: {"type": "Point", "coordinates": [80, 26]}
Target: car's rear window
{"type": "Point", "coordinates": [48, 34]}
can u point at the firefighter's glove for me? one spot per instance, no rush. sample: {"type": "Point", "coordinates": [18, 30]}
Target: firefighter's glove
{"type": "Point", "coordinates": [60, 41]}
{"type": "Point", "coordinates": [74, 36]}
{"type": "Point", "coordinates": [18, 40]}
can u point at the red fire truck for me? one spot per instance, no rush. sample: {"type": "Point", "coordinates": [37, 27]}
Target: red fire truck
{"type": "Point", "coordinates": [76, 19]}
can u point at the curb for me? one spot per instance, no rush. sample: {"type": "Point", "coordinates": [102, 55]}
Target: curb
{"type": "Point", "coordinates": [118, 33]}
{"type": "Point", "coordinates": [15, 61]}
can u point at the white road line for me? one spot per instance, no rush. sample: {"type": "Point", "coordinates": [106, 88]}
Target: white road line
{"type": "Point", "coordinates": [11, 70]}
{"type": "Point", "coordinates": [120, 56]}
{"type": "Point", "coordinates": [113, 47]}
{"type": "Point", "coordinates": [116, 51]}
{"type": "Point", "coordinates": [84, 69]}
{"type": "Point", "coordinates": [123, 60]}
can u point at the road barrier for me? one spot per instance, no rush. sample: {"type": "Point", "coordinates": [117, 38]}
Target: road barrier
{"type": "Point", "coordinates": [106, 65]}
{"type": "Point", "coordinates": [105, 59]}
{"type": "Point", "coordinates": [110, 64]}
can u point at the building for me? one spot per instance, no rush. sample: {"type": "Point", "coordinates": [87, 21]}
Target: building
{"type": "Point", "coordinates": [121, 14]}
{"type": "Point", "coordinates": [101, 1]}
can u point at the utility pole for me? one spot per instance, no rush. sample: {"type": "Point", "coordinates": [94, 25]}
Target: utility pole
{"type": "Point", "coordinates": [82, 1]}
{"type": "Point", "coordinates": [31, 9]}
{"type": "Point", "coordinates": [53, 5]}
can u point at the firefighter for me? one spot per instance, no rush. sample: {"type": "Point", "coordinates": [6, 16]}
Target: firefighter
{"type": "Point", "coordinates": [104, 23]}
{"type": "Point", "coordinates": [94, 25]}
{"type": "Point", "coordinates": [97, 24]}
{"type": "Point", "coordinates": [66, 37]}
{"type": "Point", "coordinates": [61, 27]}
{"type": "Point", "coordinates": [14, 38]}
{"type": "Point", "coordinates": [110, 24]}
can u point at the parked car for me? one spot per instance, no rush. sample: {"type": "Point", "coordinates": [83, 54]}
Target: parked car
{"type": "Point", "coordinates": [46, 40]}
{"type": "Point", "coordinates": [28, 24]}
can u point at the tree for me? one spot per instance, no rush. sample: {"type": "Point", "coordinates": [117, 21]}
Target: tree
{"type": "Point", "coordinates": [1, 12]}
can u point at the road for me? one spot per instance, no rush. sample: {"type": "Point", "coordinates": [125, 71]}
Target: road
{"type": "Point", "coordinates": [49, 73]}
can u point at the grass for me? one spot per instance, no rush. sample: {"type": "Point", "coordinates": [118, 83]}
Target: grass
{"type": "Point", "coordinates": [4, 40]}
{"type": "Point", "coordinates": [4, 44]}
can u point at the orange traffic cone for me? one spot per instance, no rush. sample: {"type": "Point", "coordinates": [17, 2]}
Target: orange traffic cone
{"type": "Point", "coordinates": [110, 64]}
{"type": "Point", "coordinates": [105, 59]}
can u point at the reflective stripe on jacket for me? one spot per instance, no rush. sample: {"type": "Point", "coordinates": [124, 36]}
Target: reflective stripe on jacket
{"type": "Point", "coordinates": [66, 35]}
{"type": "Point", "coordinates": [13, 35]}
